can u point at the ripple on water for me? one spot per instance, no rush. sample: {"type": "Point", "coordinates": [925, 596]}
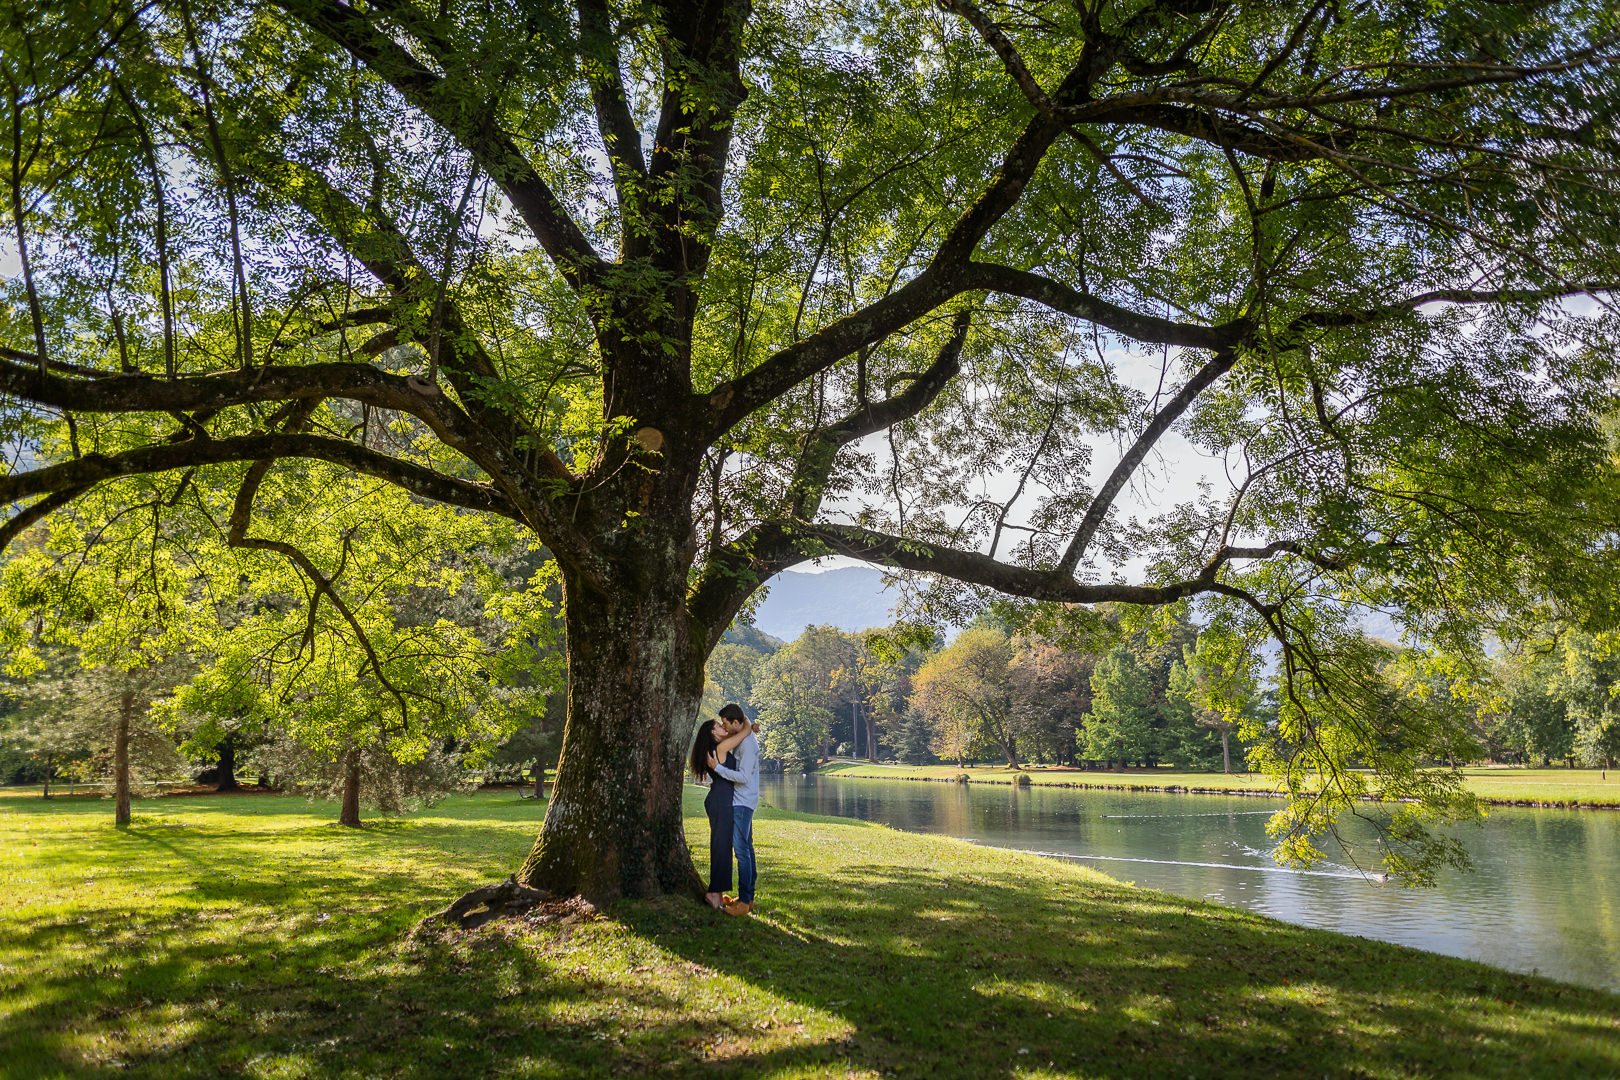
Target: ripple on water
{"type": "Point", "coordinates": [1544, 895]}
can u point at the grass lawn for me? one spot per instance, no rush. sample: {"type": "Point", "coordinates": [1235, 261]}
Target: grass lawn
{"type": "Point", "coordinates": [1561, 786]}
{"type": "Point", "coordinates": [248, 936]}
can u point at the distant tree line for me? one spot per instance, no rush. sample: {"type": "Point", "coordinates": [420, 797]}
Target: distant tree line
{"type": "Point", "coordinates": [1552, 697]}
{"type": "Point", "coordinates": [903, 694]}
{"type": "Point", "coordinates": [1173, 695]}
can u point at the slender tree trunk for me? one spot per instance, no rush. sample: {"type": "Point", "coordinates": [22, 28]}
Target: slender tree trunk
{"type": "Point", "coordinates": [871, 737]}
{"type": "Point", "coordinates": [350, 814]}
{"type": "Point", "coordinates": [227, 765]}
{"type": "Point", "coordinates": [126, 714]}
{"type": "Point", "coordinates": [614, 826]}
{"type": "Point", "coordinates": [1009, 750]}
{"type": "Point", "coordinates": [1226, 750]}
{"type": "Point", "coordinates": [49, 763]}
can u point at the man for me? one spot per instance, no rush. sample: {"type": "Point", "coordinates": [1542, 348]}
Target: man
{"type": "Point", "coordinates": [744, 800]}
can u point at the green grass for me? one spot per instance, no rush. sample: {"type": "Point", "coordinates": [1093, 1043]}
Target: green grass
{"type": "Point", "coordinates": [1500, 785]}
{"type": "Point", "coordinates": [247, 936]}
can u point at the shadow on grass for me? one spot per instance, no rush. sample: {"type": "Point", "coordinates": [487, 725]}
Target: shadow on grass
{"type": "Point", "coordinates": [943, 962]}
{"type": "Point", "coordinates": [948, 977]}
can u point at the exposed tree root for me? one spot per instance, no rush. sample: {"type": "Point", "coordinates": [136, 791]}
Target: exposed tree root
{"type": "Point", "coordinates": [508, 900]}
{"type": "Point", "coordinates": [491, 902]}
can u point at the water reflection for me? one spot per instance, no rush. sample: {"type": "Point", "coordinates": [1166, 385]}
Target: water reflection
{"type": "Point", "coordinates": [1545, 894]}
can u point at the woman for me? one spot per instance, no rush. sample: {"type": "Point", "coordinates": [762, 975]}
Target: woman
{"type": "Point", "coordinates": [712, 739]}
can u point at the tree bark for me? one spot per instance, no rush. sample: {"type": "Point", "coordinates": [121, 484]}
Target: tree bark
{"type": "Point", "coordinates": [226, 770]}
{"type": "Point", "coordinates": [614, 825]}
{"type": "Point", "coordinates": [126, 714]}
{"type": "Point", "coordinates": [350, 814]}
{"type": "Point", "coordinates": [1226, 750]}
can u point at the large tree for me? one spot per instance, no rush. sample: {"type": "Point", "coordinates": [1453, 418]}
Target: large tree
{"type": "Point", "coordinates": [692, 291]}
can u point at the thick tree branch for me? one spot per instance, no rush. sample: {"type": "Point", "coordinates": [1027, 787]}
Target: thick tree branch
{"type": "Point", "coordinates": [445, 103]}
{"type": "Point", "coordinates": [947, 275]}
{"type": "Point", "coordinates": [32, 514]}
{"type": "Point", "coordinates": [1230, 131]}
{"type": "Point", "coordinates": [789, 367]}
{"type": "Point", "coordinates": [1345, 317]}
{"type": "Point", "coordinates": [821, 447]}
{"type": "Point", "coordinates": [78, 474]}
{"type": "Point", "coordinates": [702, 88]}
{"type": "Point", "coordinates": [345, 381]}
{"type": "Point", "coordinates": [733, 572]}
{"type": "Point", "coordinates": [115, 392]}
{"type": "Point", "coordinates": [1049, 585]}
{"type": "Point", "coordinates": [1004, 48]}
{"type": "Point", "coordinates": [620, 136]}
{"type": "Point", "coordinates": [1060, 297]}
{"type": "Point", "coordinates": [1214, 368]}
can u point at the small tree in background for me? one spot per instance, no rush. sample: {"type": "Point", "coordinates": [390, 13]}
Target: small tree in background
{"type": "Point", "coordinates": [1121, 725]}
{"type": "Point", "coordinates": [965, 689]}
{"type": "Point", "coordinates": [1214, 684]}
{"type": "Point", "coordinates": [733, 667]}
{"type": "Point", "coordinates": [95, 634]}
{"type": "Point", "coordinates": [794, 722]}
{"type": "Point", "coordinates": [99, 718]}
{"type": "Point", "coordinates": [1530, 722]}
{"type": "Point", "coordinates": [446, 646]}
{"type": "Point", "coordinates": [1589, 687]}
{"type": "Point", "coordinates": [1051, 687]}
{"type": "Point", "coordinates": [914, 738]}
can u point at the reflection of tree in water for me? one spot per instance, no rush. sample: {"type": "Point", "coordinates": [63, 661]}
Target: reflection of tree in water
{"type": "Point", "coordinates": [1545, 894]}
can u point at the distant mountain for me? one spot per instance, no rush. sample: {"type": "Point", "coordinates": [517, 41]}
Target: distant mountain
{"type": "Point", "coordinates": [850, 598]}
{"type": "Point", "coordinates": [751, 637]}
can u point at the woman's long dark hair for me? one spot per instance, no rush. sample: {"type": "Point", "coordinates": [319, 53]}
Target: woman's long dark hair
{"type": "Point", "coordinates": [704, 745]}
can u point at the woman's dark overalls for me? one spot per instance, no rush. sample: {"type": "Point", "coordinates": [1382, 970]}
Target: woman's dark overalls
{"type": "Point", "coordinates": [718, 806]}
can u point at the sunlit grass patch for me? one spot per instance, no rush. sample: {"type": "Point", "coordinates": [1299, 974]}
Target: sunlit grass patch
{"type": "Point", "coordinates": [1540, 786]}
{"type": "Point", "coordinates": [222, 936]}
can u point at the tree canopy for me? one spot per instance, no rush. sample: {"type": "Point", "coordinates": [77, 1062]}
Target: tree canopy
{"type": "Point", "coordinates": [692, 292]}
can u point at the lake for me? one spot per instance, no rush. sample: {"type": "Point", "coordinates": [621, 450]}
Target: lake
{"type": "Point", "coordinates": [1544, 895]}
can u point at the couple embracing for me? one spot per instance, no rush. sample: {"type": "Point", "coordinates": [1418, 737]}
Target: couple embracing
{"type": "Point", "coordinates": [727, 755]}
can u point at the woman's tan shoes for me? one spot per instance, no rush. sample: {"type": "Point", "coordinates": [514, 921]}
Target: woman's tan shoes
{"type": "Point", "coordinates": [738, 907]}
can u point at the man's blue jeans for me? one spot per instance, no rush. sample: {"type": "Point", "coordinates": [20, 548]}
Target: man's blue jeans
{"type": "Point", "coordinates": [742, 842]}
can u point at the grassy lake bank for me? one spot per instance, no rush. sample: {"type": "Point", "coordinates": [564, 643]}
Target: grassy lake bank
{"type": "Point", "coordinates": [250, 936]}
{"type": "Point", "coordinates": [1568, 789]}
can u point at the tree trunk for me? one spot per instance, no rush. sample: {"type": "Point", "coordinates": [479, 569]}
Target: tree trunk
{"type": "Point", "coordinates": [227, 765]}
{"type": "Point", "coordinates": [350, 814]}
{"type": "Point", "coordinates": [871, 737]}
{"type": "Point", "coordinates": [614, 825]}
{"type": "Point", "coordinates": [1009, 750]}
{"type": "Point", "coordinates": [1226, 750]}
{"type": "Point", "coordinates": [126, 714]}
{"type": "Point", "coordinates": [49, 762]}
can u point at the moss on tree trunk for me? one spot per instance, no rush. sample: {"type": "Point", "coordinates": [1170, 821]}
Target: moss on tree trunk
{"type": "Point", "coordinates": [635, 677]}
